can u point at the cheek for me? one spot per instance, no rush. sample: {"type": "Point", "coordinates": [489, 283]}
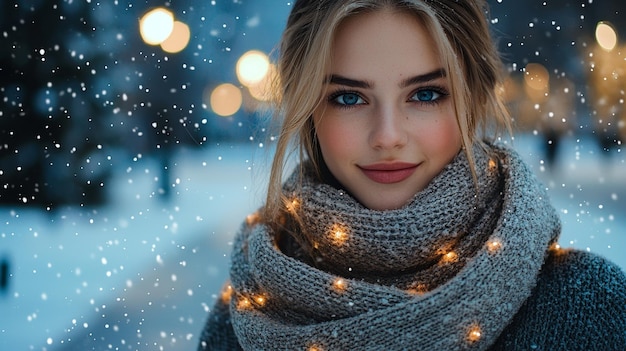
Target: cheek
{"type": "Point", "coordinates": [335, 138]}
{"type": "Point", "coordinates": [443, 136]}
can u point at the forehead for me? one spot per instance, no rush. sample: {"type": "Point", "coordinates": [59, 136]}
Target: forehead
{"type": "Point", "coordinates": [384, 40]}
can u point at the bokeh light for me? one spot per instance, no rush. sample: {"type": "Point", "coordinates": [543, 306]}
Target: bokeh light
{"type": "Point", "coordinates": [252, 67]}
{"type": "Point", "coordinates": [178, 39]}
{"type": "Point", "coordinates": [156, 26]}
{"type": "Point", "coordinates": [226, 99]}
{"type": "Point", "coordinates": [606, 36]}
{"type": "Point", "coordinates": [262, 90]}
{"type": "Point", "coordinates": [537, 82]}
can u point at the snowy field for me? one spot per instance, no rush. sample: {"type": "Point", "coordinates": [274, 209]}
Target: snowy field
{"type": "Point", "coordinates": [141, 273]}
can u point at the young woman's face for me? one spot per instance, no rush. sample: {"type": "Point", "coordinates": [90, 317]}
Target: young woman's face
{"type": "Point", "coordinates": [386, 125]}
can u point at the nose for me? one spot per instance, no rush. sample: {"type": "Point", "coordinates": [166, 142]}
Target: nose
{"type": "Point", "coordinates": [388, 131]}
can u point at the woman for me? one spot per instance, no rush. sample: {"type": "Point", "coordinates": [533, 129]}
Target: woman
{"type": "Point", "coordinates": [404, 228]}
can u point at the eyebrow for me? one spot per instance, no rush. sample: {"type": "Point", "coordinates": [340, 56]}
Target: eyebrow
{"type": "Point", "coordinates": [355, 83]}
{"type": "Point", "coordinates": [423, 78]}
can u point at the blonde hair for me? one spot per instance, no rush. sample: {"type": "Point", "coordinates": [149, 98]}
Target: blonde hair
{"type": "Point", "coordinates": [461, 32]}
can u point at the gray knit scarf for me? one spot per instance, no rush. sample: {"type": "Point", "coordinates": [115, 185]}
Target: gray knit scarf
{"type": "Point", "coordinates": [446, 272]}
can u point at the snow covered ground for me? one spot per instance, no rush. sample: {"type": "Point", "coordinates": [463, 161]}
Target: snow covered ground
{"type": "Point", "coordinates": [141, 272]}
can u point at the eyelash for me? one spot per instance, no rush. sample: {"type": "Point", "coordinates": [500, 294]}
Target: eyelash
{"type": "Point", "coordinates": [443, 94]}
{"type": "Point", "coordinates": [333, 97]}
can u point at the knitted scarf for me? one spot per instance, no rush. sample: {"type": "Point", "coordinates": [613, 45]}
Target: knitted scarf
{"type": "Point", "coordinates": [448, 271]}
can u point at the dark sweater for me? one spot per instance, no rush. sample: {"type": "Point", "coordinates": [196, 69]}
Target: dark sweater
{"type": "Point", "coordinates": [579, 303]}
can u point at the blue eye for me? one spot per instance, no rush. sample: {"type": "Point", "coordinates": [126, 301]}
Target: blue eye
{"type": "Point", "coordinates": [347, 99]}
{"type": "Point", "coordinates": [426, 95]}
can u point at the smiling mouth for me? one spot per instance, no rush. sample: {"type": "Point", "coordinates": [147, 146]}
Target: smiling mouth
{"type": "Point", "coordinates": [389, 173]}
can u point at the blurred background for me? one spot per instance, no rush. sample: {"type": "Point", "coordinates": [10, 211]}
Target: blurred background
{"type": "Point", "coordinates": [134, 138]}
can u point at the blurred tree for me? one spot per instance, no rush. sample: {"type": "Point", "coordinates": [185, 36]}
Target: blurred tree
{"type": "Point", "coordinates": [559, 35]}
{"type": "Point", "coordinates": [161, 98]}
{"type": "Point", "coordinates": [51, 133]}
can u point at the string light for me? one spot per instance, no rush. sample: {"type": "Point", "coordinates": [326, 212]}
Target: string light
{"type": "Point", "coordinates": [292, 206]}
{"type": "Point", "coordinates": [338, 234]}
{"type": "Point", "coordinates": [227, 293]}
{"type": "Point", "coordinates": [474, 333]}
{"type": "Point", "coordinates": [494, 245]}
{"type": "Point", "coordinates": [556, 249]}
{"type": "Point", "coordinates": [419, 289]}
{"type": "Point", "coordinates": [253, 219]}
{"type": "Point", "coordinates": [243, 303]}
{"type": "Point", "coordinates": [492, 165]}
{"type": "Point", "coordinates": [260, 300]}
{"type": "Point", "coordinates": [339, 285]}
{"type": "Point", "coordinates": [450, 257]}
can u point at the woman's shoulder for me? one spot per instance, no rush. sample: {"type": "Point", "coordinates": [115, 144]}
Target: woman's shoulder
{"type": "Point", "coordinates": [584, 283]}
{"type": "Point", "coordinates": [576, 268]}
{"type": "Point", "coordinates": [579, 303]}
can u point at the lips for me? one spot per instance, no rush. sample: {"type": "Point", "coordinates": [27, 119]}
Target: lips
{"type": "Point", "coordinates": [388, 173]}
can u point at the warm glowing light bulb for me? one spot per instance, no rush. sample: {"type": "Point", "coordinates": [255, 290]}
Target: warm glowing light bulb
{"type": "Point", "coordinates": [450, 257]}
{"type": "Point", "coordinates": [494, 245]}
{"type": "Point", "coordinates": [557, 250]}
{"type": "Point", "coordinates": [227, 293]}
{"type": "Point", "coordinates": [418, 289]}
{"type": "Point", "coordinates": [260, 300]}
{"type": "Point", "coordinates": [606, 36]}
{"type": "Point", "coordinates": [243, 303]}
{"type": "Point", "coordinates": [292, 206]}
{"type": "Point", "coordinates": [474, 334]}
{"type": "Point", "coordinates": [253, 218]}
{"type": "Point", "coordinates": [156, 26]}
{"type": "Point", "coordinates": [338, 234]}
{"type": "Point", "coordinates": [339, 285]}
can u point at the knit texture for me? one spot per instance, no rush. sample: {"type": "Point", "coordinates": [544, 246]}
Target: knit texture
{"type": "Point", "coordinates": [404, 247]}
{"type": "Point", "coordinates": [449, 271]}
{"type": "Point", "coordinates": [579, 304]}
